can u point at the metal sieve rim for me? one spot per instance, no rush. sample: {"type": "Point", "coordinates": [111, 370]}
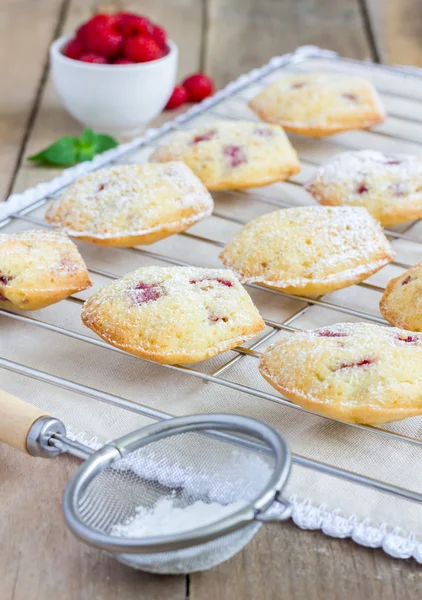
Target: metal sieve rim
{"type": "Point", "coordinates": [207, 423]}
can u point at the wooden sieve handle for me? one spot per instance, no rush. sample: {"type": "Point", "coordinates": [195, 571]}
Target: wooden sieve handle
{"type": "Point", "coordinates": [16, 419]}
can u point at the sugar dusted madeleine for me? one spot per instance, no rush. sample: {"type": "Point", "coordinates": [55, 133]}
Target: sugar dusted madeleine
{"type": "Point", "coordinates": [39, 268]}
{"type": "Point", "coordinates": [319, 104]}
{"type": "Point", "coordinates": [389, 186]}
{"type": "Point", "coordinates": [227, 154]}
{"type": "Point", "coordinates": [175, 314]}
{"type": "Point", "coordinates": [308, 250]}
{"type": "Point", "coordinates": [401, 303]}
{"type": "Point", "coordinates": [354, 372]}
{"type": "Point", "coordinates": [131, 204]}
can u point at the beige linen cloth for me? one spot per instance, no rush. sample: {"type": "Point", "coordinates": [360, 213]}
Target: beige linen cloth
{"type": "Point", "coordinates": [320, 501]}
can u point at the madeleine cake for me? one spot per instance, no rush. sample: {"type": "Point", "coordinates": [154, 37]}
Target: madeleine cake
{"type": "Point", "coordinates": [131, 204]}
{"type": "Point", "coordinates": [401, 303]}
{"type": "Point", "coordinates": [308, 250]}
{"type": "Point", "coordinates": [233, 154]}
{"type": "Point", "coordinates": [319, 104]}
{"type": "Point", "coordinates": [389, 186]}
{"type": "Point", "coordinates": [39, 268]}
{"type": "Point", "coordinates": [175, 314]}
{"type": "Point", "coordinates": [355, 372]}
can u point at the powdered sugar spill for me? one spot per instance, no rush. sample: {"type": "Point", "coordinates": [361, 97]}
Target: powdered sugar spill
{"type": "Point", "coordinates": [237, 476]}
{"type": "Point", "coordinates": [166, 518]}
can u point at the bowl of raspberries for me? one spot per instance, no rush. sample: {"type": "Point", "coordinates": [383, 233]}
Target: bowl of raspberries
{"type": "Point", "coordinates": [116, 73]}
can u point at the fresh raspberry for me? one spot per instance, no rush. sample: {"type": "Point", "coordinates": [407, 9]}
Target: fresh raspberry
{"type": "Point", "coordinates": [142, 49]}
{"type": "Point", "coordinates": [198, 87]}
{"type": "Point", "coordinates": [178, 97]}
{"type": "Point", "coordinates": [130, 24]}
{"type": "Point", "coordinates": [89, 29]}
{"type": "Point", "coordinates": [123, 61]}
{"type": "Point", "coordinates": [105, 41]}
{"type": "Point", "coordinates": [91, 57]}
{"type": "Point", "coordinates": [74, 49]}
{"type": "Point", "coordinates": [160, 36]}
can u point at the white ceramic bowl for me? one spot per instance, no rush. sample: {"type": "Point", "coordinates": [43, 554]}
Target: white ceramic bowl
{"type": "Point", "coordinates": [115, 99]}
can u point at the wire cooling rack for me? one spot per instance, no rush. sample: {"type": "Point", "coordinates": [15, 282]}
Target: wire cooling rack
{"type": "Point", "coordinates": [402, 132]}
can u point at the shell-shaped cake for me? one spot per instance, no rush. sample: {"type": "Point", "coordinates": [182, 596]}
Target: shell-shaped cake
{"type": "Point", "coordinates": [39, 268]}
{"type": "Point", "coordinates": [131, 204]}
{"type": "Point", "coordinates": [175, 314]}
{"type": "Point", "coordinates": [308, 250]}
{"type": "Point", "coordinates": [355, 372]}
{"type": "Point", "coordinates": [233, 154]}
{"type": "Point", "coordinates": [320, 104]}
{"type": "Point", "coordinates": [389, 186]}
{"type": "Point", "coordinates": [401, 303]}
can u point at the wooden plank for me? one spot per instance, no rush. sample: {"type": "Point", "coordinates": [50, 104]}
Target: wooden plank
{"type": "Point", "coordinates": [22, 65]}
{"type": "Point", "coordinates": [243, 34]}
{"type": "Point", "coordinates": [284, 562]}
{"type": "Point", "coordinates": [42, 555]}
{"type": "Point", "coordinates": [42, 559]}
{"type": "Point", "coordinates": [52, 121]}
{"type": "Point", "coordinates": [397, 30]}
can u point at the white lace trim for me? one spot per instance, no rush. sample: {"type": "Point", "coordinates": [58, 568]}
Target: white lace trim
{"type": "Point", "coordinates": [394, 541]}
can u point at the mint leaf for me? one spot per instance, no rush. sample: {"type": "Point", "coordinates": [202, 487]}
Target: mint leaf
{"type": "Point", "coordinates": [88, 137]}
{"type": "Point", "coordinates": [62, 153]}
{"type": "Point", "coordinates": [70, 150]}
{"type": "Point", "coordinates": [105, 142]}
{"type": "Point", "coordinates": [87, 147]}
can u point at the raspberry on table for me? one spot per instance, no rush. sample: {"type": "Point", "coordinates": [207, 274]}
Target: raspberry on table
{"type": "Point", "coordinates": [178, 97]}
{"type": "Point", "coordinates": [198, 87]}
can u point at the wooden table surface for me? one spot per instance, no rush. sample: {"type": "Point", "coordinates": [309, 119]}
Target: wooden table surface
{"type": "Point", "coordinates": [40, 558]}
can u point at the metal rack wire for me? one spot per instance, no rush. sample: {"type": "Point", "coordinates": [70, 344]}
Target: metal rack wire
{"type": "Point", "coordinates": [287, 325]}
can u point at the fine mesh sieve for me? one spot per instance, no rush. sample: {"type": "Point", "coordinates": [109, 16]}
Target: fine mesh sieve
{"type": "Point", "coordinates": [223, 474]}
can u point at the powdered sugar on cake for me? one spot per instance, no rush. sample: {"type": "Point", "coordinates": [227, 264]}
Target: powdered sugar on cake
{"type": "Point", "coordinates": [174, 314]}
{"type": "Point", "coordinates": [307, 246]}
{"type": "Point", "coordinates": [352, 167]}
{"type": "Point", "coordinates": [131, 200]}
